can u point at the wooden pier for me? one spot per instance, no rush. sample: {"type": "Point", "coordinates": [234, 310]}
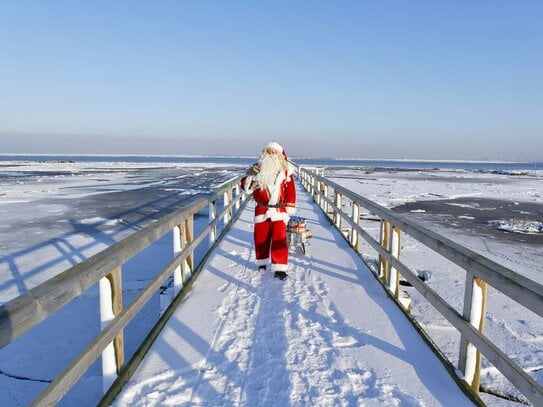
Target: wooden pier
{"type": "Point", "coordinates": [325, 206]}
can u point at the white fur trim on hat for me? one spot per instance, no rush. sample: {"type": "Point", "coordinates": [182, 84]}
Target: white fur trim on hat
{"type": "Point", "coordinates": [275, 146]}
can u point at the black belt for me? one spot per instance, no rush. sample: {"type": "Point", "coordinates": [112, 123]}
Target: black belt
{"type": "Point", "coordinates": [278, 205]}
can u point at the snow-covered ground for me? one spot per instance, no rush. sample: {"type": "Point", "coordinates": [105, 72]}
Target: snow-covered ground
{"type": "Point", "coordinates": [55, 214]}
{"type": "Point", "coordinates": [326, 336]}
{"type": "Point", "coordinates": [496, 215]}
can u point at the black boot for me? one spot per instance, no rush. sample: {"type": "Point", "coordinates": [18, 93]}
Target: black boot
{"type": "Point", "coordinates": [281, 275]}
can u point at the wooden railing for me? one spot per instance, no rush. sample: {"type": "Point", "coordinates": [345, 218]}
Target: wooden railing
{"type": "Point", "coordinates": [26, 311]}
{"type": "Point", "coordinates": [480, 271]}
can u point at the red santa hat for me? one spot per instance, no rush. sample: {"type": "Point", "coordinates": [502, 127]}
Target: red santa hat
{"type": "Point", "coordinates": [274, 145]}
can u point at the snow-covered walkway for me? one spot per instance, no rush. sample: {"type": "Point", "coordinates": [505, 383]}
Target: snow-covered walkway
{"type": "Point", "coordinates": [326, 336]}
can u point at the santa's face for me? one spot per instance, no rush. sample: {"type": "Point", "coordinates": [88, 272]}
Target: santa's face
{"type": "Point", "coordinates": [270, 151]}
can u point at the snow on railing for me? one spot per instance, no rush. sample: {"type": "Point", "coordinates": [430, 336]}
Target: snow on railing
{"type": "Point", "coordinates": [26, 311]}
{"type": "Point", "coordinates": [480, 271]}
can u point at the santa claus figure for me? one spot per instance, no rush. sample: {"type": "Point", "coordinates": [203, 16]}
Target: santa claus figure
{"type": "Point", "coordinates": [271, 183]}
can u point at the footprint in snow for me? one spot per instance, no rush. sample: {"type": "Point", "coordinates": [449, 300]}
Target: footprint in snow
{"type": "Point", "coordinates": [343, 341]}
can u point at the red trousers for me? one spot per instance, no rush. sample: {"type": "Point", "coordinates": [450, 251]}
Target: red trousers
{"type": "Point", "coordinates": [271, 237]}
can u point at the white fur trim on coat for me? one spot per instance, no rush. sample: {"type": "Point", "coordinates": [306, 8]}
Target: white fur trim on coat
{"type": "Point", "coordinates": [262, 262]}
{"type": "Point", "coordinates": [261, 218]}
{"type": "Point", "coordinates": [273, 215]}
{"type": "Point", "coordinates": [279, 267]}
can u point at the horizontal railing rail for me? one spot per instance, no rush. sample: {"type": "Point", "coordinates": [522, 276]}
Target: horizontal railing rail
{"type": "Point", "coordinates": [26, 311]}
{"type": "Point", "coordinates": [479, 272]}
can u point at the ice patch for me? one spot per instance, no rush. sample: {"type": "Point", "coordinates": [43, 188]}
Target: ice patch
{"type": "Point", "coordinates": [474, 206]}
{"type": "Point", "coordinates": [521, 212]}
{"type": "Point", "coordinates": [101, 221]}
{"type": "Point", "coordinates": [465, 195]}
{"type": "Point", "coordinates": [518, 226]}
{"type": "Point", "coordinates": [432, 194]}
{"type": "Point", "coordinates": [14, 201]}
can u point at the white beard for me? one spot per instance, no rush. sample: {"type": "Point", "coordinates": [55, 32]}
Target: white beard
{"type": "Point", "coordinates": [270, 166]}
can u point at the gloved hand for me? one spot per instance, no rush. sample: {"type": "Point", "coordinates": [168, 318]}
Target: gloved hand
{"type": "Point", "coordinates": [253, 170]}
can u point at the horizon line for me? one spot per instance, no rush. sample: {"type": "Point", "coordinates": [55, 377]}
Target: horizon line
{"type": "Point", "coordinates": [252, 156]}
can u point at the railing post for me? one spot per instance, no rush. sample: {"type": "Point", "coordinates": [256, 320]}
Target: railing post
{"type": "Point", "coordinates": [393, 281]}
{"type": "Point", "coordinates": [227, 198]}
{"type": "Point", "coordinates": [469, 361]}
{"type": "Point", "coordinates": [237, 192]}
{"type": "Point", "coordinates": [319, 188]}
{"type": "Point", "coordinates": [338, 203]}
{"type": "Point", "coordinates": [319, 193]}
{"type": "Point", "coordinates": [186, 237]}
{"type": "Point", "coordinates": [212, 216]}
{"type": "Point", "coordinates": [315, 187]}
{"type": "Point", "coordinates": [325, 201]}
{"type": "Point", "coordinates": [177, 273]}
{"type": "Point", "coordinates": [356, 219]}
{"type": "Point", "coordinates": [111, 305]}
{"type": "Point", "coordinates": [322, 189]}
{"type": "Point", "coordinates": [385, 244]}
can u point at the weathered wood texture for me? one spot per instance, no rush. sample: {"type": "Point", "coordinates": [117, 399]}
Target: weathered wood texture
{"type": "Point", "coordinates": [115, 279]}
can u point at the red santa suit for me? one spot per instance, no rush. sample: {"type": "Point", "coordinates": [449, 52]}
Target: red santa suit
{"type": "Point", "coordinates": [273, 208]}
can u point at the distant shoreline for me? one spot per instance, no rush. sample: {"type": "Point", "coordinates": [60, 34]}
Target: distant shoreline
{"type": "Point", "coordinates": [200, 156]}
{"type": "Point", "coordinates": [500, 167]}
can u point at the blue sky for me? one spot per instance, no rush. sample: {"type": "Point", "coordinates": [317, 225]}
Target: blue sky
{"type": "Point", "coordinates": [372, 79]}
